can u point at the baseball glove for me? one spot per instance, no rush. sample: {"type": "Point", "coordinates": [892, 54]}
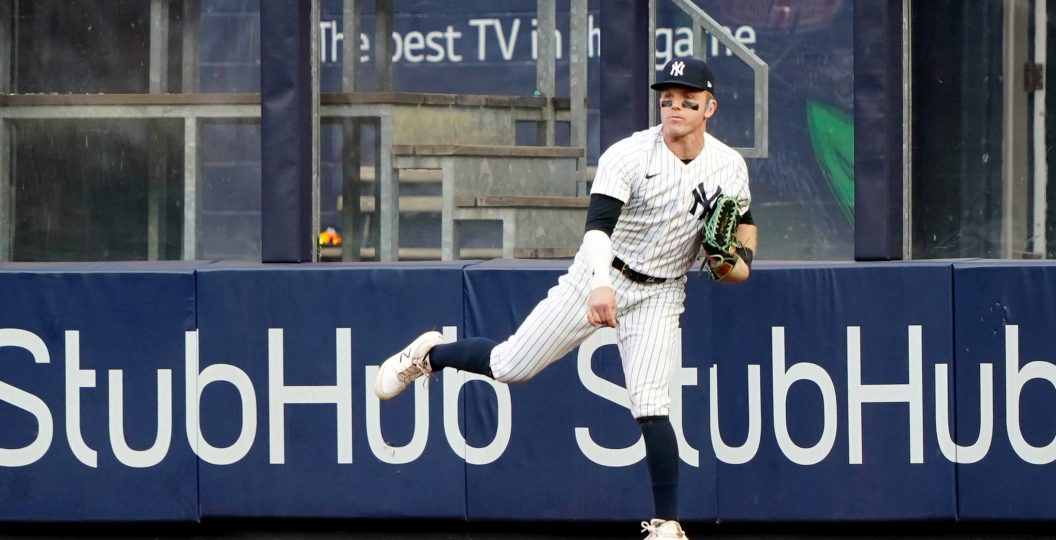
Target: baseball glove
{"type": "Point", "coordinates": [718, 241]}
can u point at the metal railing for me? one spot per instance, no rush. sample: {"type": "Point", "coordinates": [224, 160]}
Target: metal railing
{"type": "Point", "coordinates": [761, 146]}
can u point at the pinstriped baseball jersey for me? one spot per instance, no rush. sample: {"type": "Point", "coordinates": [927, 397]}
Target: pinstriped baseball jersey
{"type": "Point", "coordinates": [658, 233]}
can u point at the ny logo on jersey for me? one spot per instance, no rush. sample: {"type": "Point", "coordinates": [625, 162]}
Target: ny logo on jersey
{"type": "Point", "coordinates": [677, 68]}
{"type": "Point", "coordinates": [701, 199]}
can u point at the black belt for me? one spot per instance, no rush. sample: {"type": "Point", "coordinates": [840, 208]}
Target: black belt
{"type": "Point", "coordinates": [636, 277]}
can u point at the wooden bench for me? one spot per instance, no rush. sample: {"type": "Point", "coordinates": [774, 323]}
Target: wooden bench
{"type": "Point", "coordinates": [530, 189]}
{"type": "Point", "coordinates": [479, 170]}
{"type": "Point", "coordinates": [533, 227]}
{"type": "Point", "coordinates": [335, 254]}
{"type": "Point", "coordinates": [420, 120]}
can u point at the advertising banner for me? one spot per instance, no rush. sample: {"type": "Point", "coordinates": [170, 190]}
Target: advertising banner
{"type": "Point", "coordinates": [825, 380]}
{"type": "Point", "coordinates": [1005, 377]}
{"type": "Point", "coordinates": [853, 391]}
{"type": "Point", "coordinates": [92, 393]}
{"type": "Point", "coordinates": [284, 365]}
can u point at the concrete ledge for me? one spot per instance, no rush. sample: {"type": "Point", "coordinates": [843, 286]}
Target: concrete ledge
{"type": "Point", "coordinates": [333, 253]}
{"type": "Point", "coordinates": [521, 202]}
{"type": "Point", "coordinates": [51, 100]}
{"type": "Point", "coordinates": [367, 174]}
{"type": "Point", "coordinates": [465, 100]}
{"type": "Point", "coordinates": [487, 150]}
{"type": "Point", "coordinates": [247, 98]}
{"type": "Point", "coordinates": [542, 253]}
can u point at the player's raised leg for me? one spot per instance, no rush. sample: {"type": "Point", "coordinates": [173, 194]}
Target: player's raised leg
{"type": "Point", "coordinates": [555, 327]}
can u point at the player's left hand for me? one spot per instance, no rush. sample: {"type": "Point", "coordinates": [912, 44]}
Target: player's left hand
{"type": "Point", "coordinates": [719, 240]}
{"type": "Point", "coordinates": [601, 307]}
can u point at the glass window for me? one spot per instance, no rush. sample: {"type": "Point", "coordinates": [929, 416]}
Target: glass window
{"type": "Point", "coordinates": [131, 131]}
{"type": "Point", "coordinates": [101, 190]}
{"type": "Point", "coordinates": [979, 173]}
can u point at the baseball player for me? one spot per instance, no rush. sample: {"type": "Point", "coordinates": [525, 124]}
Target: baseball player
{"type": "Point", "coordinates": [650, 196]}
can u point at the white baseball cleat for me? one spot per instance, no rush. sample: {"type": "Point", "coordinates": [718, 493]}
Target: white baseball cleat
{"type": "Point", "coordinates": [659, 528]}
{"type": "Point", "coordinates": [402, 368]}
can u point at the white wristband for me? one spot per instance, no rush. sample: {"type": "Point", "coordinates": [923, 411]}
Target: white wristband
{"type": "Point", "coordinates": [597, 253]}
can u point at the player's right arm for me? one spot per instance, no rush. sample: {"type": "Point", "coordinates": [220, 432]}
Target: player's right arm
{"type": "Point", "coordinates": [602, 215]}
{"type": "Point", "coordinates": [610, 190]}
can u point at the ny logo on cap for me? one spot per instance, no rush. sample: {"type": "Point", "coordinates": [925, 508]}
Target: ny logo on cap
{"type": "Point", "coordinates": [677, 68]}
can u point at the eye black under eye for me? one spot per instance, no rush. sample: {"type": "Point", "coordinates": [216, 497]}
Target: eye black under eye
{"type": "Point", "coordinates": [666, 103]}
{"type": "Point", "coordinates": [690, 104]}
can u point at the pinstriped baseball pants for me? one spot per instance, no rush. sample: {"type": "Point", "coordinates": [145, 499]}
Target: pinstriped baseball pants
{"type": "Point", "coordinates": [647, 325]}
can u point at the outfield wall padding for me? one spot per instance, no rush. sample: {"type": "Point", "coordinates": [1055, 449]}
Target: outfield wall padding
{"type": "Point", "coordinates": [844, 392]}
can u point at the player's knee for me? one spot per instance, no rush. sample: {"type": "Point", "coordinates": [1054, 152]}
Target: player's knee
{"type": "Point", "coordinates": [508, 377]}
{"type": "Point", "coordinates": [648, 410]}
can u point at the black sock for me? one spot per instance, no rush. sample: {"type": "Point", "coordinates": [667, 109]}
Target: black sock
{"type": "Point", "coordinates": [661, 454]}
{"type": "Point", "coordinates": [470, 354]}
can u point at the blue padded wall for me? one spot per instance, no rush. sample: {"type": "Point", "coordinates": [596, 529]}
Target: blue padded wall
{"type": "Point", "coordinates": [1000, 305]}
{"type": "Point", "coordinates": [383, 307]}
{"type": "Point", "coordinates": [811, 311]}
{"type": "Point", "coordinates": [283, 357]}
{"type": "Point", "coordinates": [106, 317]}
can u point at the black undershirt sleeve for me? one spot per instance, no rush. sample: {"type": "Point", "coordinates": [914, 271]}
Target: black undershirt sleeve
{"type": "Point", "coordinates": [746, 219]}
{"type": "Point", "coordinates": [603, 213]}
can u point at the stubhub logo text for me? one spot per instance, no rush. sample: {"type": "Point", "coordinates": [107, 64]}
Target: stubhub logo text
{"type": "Point", "coordinates": [79, 384]}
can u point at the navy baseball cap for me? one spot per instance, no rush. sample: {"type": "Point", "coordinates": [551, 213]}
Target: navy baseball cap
{"type": "Point", "coordinates": [687, 72]}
